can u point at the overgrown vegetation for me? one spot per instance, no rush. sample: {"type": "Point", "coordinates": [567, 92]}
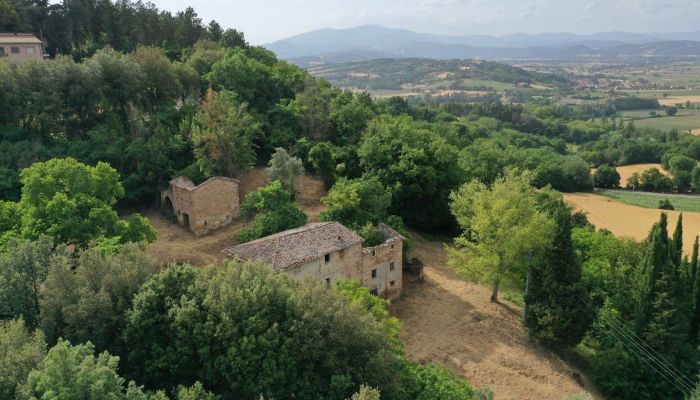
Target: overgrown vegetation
{"type": "Point", "coordinates": [141, 95]}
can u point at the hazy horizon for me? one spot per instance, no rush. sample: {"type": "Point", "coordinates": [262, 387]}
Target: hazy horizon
{"type": "Point", "coordinates": [266, 21]}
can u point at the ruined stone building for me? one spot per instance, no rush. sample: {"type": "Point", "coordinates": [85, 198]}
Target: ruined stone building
{"type": "Point", "coordinates": [328, 252]}
{"type": "Point", "coordinates": [205, 207]}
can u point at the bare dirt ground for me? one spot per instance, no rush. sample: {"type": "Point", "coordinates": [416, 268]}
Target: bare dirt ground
{"type": "Point", "coordinates": [453, 323]}
{"type": "Point", "coordinates": [632, 221]}
{"type": "Point", "coordinates": [695, 132]}
{"type": "Point", "coordinates": [175, 243]}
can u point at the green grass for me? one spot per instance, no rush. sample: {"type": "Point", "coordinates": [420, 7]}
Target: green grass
{"type": "Point", "coordinates": [683, 202]}
{"type": "Point", "coordinates": [684, 120]}
{"type": "Point", "coordinates": [659, 94]}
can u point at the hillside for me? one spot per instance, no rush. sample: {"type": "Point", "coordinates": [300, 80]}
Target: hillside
{"type": "Point", "coordinates": [421, 73]}
{"type": "Point", "coordinates": [452, 322]}
{"type": "Point", "coordinates": [371, 41]}
{"type": "Point", "coordinates": [484, 342]}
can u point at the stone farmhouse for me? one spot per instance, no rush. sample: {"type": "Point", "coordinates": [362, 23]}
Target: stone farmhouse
{"type": "Point", "coordinates": [329, 252]}
{"type": "Point", "coordinates": [21, 46]}
{"type": "Point", "coordinates": [205, 207]}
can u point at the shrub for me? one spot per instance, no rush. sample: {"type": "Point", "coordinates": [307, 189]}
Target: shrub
{"type": "Point", "coordinates": [665, 204]}
{"type": "Point", "coordinates": [271, 210]}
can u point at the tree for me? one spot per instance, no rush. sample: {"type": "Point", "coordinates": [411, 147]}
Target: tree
{"type": "Point", "coordinates": [681, 168]}
{"type": "Point", "coordinates": [652, 180]}
{"type": "Point", "coordinates": [87, 298]}
{"type": "Point", "coordinates": [671, 111]}
{"type": "Point", "coordinates": [557, 313]}
{"type": "Point", "coordinates": [321, 158]}
{"type": "Point", "coordinates": [271, 209]}
{"type": "Point", "coordinates": [366, 393]}
{"type": "Point", "coordinates": [356, 202]}
{"type": "Point", "coordinates": [418, 167]}
{"type": "Point", "coordinates": [73, 203]}
{"type": "Point", "coordinates": [665, 204]}
{"type": "Point", "coordinates": [21, 351]}
{"type": "Point", "coordinates": [24, 266]}
{"type": "Point", "coordinates": [244, 331]}
{"type": "Point", "coordinates": [606, 176]}
{"type": "Point", "coordinates": [222, 135]}
{"type": "Point", "coordinates": [233, 38]}
{"type": "Point", "coordinates": [74, 372]}
{"type": "Point", "coordinates": [284, 168]}
{"type": "Point", "coordinates": [501, 224]}
{"type": "Point", "coordinates": [633, 182]}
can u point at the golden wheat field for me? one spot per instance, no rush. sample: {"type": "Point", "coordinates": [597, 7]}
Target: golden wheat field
{"type": "Point", "coordinates": [632, 221]}
{"type": "Point", "coordinates": [627, 170]}
{"type": "Point", "coordinates": [673, 100]}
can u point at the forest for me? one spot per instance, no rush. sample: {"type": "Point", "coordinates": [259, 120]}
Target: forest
{"type": "Point", "coordinates": [133, 96]}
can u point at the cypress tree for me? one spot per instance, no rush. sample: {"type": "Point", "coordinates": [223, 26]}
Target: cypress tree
{"type": "Point", "coordinates": [556, 301]}
{"type": "Point", "coordinates": [666, 315]}
{"type": "Point", "coordinates": [695, 322]}
{"type": "Point", "coordinates": [656, 260]}
{"type": "Point", "coordinates": [676, 247]}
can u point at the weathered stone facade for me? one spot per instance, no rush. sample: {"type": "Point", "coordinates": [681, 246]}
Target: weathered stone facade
{"type": "Point", "coordinates": [205, 207]}
{"type": "Point", "coordinates": [382, 265]}
{"type": "Point", "coordinates": [329, 252]}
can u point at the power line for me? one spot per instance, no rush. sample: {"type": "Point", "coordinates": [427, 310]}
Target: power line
{"type": "Point", "coordinates": [633, 337]}
{"type": "Point", "coordinates": [678, 384]}
{"type": "Point", "coordinates": [636, 348]}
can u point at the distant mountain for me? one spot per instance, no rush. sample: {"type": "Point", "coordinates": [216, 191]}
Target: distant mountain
{"type": "Point", "coordinates": [371, 41]}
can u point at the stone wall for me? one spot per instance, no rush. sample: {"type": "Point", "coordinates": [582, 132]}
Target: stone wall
{"type": "Point", "coordinates": [383, 267]}
{"type": "Point", "coordinates": [341, 265]}
{"type": "Point", "coordinates": [204, 208]}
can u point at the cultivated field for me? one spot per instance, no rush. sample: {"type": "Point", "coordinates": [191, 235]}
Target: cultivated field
{"type": "Point", "coordinates": [453, 323]}
{"type": "Point", "coordinates": [632, 221]}
{"type": "Point", "coordinates": [681, 202]}
{"type": "Point", "coordinates": [626, 171]}
{"type": "Point", "coordinates": [673, 100]}
{"type": "Point", "coordinates": [685, 120]}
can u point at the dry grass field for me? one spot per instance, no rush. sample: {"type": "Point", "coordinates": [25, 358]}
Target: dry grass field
{"type": "Point", "coordinates": [627, 171]}
{"type": "Point", "coordinates": [673, 100]}
{"type": "Point", "coordinates": [453, 323]}
{"type": "Point", "coordinates": [632, 221]}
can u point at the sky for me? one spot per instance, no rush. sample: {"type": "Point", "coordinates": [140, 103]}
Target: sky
{"type": "Point", "coordinates": [265, 21]}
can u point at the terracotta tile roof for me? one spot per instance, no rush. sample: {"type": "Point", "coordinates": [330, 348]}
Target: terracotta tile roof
{"type": "Point", "coordinates": [186, 183]}
{"type": "Point", "coordinates": [20, 38]}
{"type": "Point", "coordinates": [288, 249]}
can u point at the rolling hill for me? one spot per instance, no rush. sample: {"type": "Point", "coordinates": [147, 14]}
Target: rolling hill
{"type": "Point", "coordinates": [371, 41]}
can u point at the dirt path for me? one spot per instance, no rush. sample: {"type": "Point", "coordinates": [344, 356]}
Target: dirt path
{"type": "Point", "coordinates": [453, 323]}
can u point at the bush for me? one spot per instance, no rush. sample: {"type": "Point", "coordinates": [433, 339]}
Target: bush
{"type": "Point", "coordinates": [606, 177]}
{"type": "Point", "coordinates": [271, 210]}
{"type": "Point", "coordinates": [665, 204]}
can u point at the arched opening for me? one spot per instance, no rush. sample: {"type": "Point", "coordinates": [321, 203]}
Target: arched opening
{"type": "Point", "coordinates": [168, 208]}
{"type": "Point", "coordinates": [186, 220]}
